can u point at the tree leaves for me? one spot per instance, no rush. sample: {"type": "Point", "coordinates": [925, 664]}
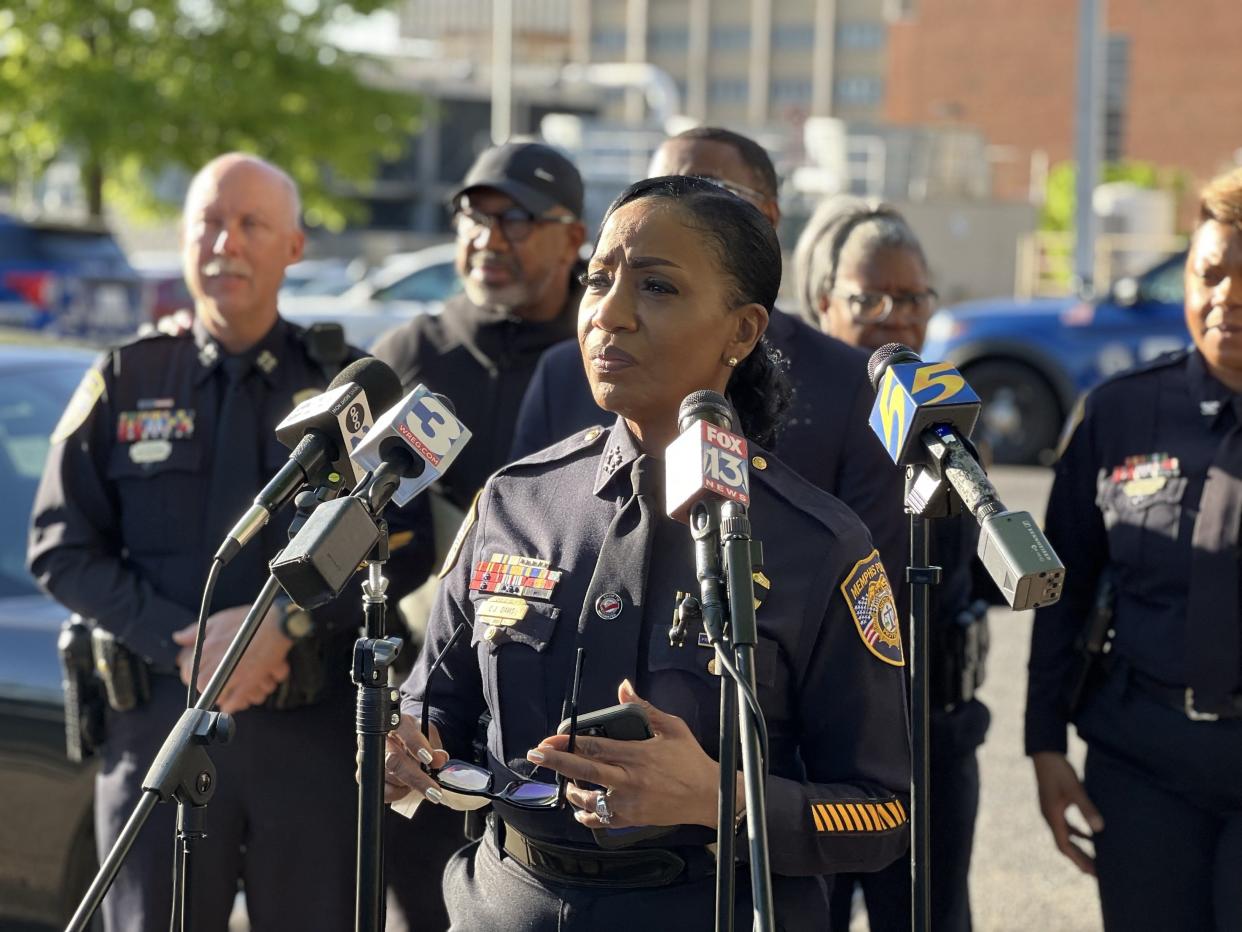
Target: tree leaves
{"type": "Point", "coordinates": [142, 88]}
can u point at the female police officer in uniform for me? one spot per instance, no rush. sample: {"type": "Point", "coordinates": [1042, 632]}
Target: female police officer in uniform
{"type": "Point", "coordinates": [862, 277]}
{"type": "Point", "coordinates": [1148, 493]}
{"type": "Point", "coordinates": [677, 297]}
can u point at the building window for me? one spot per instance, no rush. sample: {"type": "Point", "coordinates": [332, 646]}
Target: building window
{"type": "Point", "coordinates": [730, 38]}
{"type": "Point", "coordinates": [1116, 95]}
{"type": "Point", "coordinates": [859, 91]}
{"type": "Point", "coordinates": [608, 41]}
{"type": "Point", "coordinates": [798, 37]}
{"type": "Point", "coordinates": [728, 90]}
{"type": "Point", "coordinates": [790, 91]}
{"type": "Point", "coordinates": [668, 39]}
{"type": "Point", "coordinates": [861, 37]}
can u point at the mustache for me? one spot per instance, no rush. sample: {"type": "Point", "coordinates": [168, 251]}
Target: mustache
{"type": "Point", "coordinates": [226, 267]}
{"type": "Point", "coordinates": [495, 258]}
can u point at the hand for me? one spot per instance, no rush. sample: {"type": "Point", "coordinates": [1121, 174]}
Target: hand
{"type": "Point", "coordinates": [1060, 788]}
{"type": "Point", "coordinates": [263, 666]}
{"type": "Point", "coordinates": [665, 780]}
{"type": "Point", "coordinates": [406, 753]}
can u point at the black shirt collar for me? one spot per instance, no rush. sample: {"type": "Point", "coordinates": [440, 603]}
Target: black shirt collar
{"type": "Point", "coordinates": [1213, 397]}
{"type": "Point", "coordinates": [266, 354]}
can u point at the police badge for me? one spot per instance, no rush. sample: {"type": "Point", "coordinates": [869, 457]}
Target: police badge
{"type": "Point", "coordinates": [870, 599]}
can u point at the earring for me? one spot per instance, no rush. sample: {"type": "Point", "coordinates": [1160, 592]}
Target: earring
{"type": "Point", "coordinates": [731, 361]}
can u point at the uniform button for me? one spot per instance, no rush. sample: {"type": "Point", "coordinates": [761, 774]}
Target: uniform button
{"type": "Point", "coordinates": [491, 633]}
{"type": "Point", "coordinates": [759, 463]}
{"type": "Point", "coordinates": [711, 667]}
{"type": "Point", "coordinates": [592, 433]}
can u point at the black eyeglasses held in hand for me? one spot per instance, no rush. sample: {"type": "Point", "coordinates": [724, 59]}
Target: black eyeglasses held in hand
{"type": "Point", "coordinates": [477, 783]}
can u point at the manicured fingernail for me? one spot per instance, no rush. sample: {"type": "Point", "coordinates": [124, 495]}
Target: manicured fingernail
{"type": "Point", "coordinates": [535, 757]}
{"type": "Point", "coordinates": [433, 793]}
{"type": "Point", "coordinates": [425, 756]}
{"type": "Point", "coordinates": [580, 815]}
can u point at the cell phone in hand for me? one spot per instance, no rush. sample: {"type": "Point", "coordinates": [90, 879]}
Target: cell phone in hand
{"type": "Point", "coordinates": [624, 722]}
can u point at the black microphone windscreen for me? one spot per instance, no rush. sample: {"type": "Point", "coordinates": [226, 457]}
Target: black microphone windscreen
{"type": "Point", "coordinates": [885, 356]}
{"type": "Point", "coordinates": [707, 406]}
{"type": "Point", "coordinates": [376, 378]}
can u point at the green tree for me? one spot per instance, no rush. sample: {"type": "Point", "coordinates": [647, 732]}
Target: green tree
{"type": "Point", "coordinates": [130, 88]}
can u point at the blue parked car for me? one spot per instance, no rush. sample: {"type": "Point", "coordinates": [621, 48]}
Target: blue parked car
{"type": "Point", "coordinates": [67, 279]}
{"type": "Point", "coordinates": [47, 829]}
{"type": "Point", "coordinates": [1030, 360]}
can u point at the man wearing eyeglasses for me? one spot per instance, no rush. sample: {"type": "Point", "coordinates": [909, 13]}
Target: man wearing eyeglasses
{"type": "Point", "coordinates": [517, 221]}
{"type": "Point", "coordinates": [516, 217]}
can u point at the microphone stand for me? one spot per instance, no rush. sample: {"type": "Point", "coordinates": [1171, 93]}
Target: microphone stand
{"type": "Point", "coordinates": [377, 714]}
{"type": "Point", "coordinates": [738, 637]}
{"type": "Point", "coordinates": [928, 495]}
{"type": "Point", "coordinates": [741, 556]}
{"type": "Point", "coordinates": [182, 770]}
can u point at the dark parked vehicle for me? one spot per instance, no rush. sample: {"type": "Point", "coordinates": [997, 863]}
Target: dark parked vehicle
{"type": "Point", "coordinates": [47, 844]}
{"type": "Point", "coordinates": [1030, 360]}
{"type": "Point", "coordinates": [68, 279]}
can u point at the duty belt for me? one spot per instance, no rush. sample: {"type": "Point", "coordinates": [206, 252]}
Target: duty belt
{"type": "Point", "coordinates": [1182, 698]}
{"type": "Point", "coordinates": [641, 867]}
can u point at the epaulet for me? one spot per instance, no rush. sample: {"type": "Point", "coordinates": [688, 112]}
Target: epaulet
{"type": "Point", "coordinates": [171, 326]}
{"type": "Point", "coordinates": [1163, 361]}
{"type": "Point", "coordinates": [791, 487]}
{"type": "Point", "coordinates": [576, 443]}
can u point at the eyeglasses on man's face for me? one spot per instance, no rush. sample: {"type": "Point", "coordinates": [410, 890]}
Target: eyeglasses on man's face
{"type": "Point", "coordinates": [873, 307]}
{"type": "Point", "coordinates": [515, 224]}
{"type": "Point", "coordinates": [479, 783]}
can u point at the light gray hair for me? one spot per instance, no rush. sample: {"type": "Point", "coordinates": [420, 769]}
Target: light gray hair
{"type": "Point", "coordinates": [844, 228]}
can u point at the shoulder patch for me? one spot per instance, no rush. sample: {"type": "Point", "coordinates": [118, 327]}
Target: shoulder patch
{"type": "Point", "coordinates": [80, 406]}
{"type": "Point", "coordinates": [454, 551]}
{"type": "Point", "coordinates": [869, 597]}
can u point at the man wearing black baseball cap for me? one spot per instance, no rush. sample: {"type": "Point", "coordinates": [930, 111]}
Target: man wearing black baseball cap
{"type": "Point", "coordinates": [517, 217]}
{"type": "Point", "coordinates": [517, 220]}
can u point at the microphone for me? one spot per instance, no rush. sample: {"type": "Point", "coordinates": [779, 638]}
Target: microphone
{"type": "Point", "coordinates": [922, 413]}
{"type": "Point", "coordinates": [321, 432]}
{"type": "Point", "coordinates": [410, 446]}
{"type": "Point", "coordinates": [707, 459]}
{"type": "Point", "coordinates": [420, 436]}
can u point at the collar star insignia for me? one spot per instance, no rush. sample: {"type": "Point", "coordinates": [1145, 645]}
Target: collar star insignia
{"type": "Point", "coordinates": [613, 459]}
{"type": "Point", "coordinates": [266, 362]}
{"type": "Point", "coordinates": [1210, 408]}
{"type": "Point", "coordinates": [208, 353]}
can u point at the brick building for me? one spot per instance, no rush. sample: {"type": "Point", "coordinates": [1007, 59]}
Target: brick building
{"type": "Point", "coordinates": [1174, 84]}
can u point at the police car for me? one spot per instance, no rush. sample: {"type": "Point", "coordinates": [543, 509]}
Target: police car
{"type": "Point", "coordinates": [1030, 360]}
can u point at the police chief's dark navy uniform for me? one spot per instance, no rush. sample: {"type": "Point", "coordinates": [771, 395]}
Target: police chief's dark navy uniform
{"type": "Point", "coordinates": [829, 671]}
{"type": "Point", "coordinates": [121, 533]}
{"type": "Point", "coordinates": [1164, 775]}
{"type": "Point", "coordinates": [828, 441]}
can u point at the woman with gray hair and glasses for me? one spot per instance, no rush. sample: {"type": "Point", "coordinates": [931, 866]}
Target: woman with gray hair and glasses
{"type": "Point", "coordinates": [862, 277]}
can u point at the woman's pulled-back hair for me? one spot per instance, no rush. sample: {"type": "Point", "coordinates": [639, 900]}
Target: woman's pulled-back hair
{"type": "Point", "coordinates": [842, 226]}
{"type": "Point", "coordinates": [749, 256]}
{"type": "Point", "coordinates": [1221, 200]}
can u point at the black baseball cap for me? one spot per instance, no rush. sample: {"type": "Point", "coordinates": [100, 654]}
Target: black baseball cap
{"type": "Point", "coordinates": [536, 176]}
